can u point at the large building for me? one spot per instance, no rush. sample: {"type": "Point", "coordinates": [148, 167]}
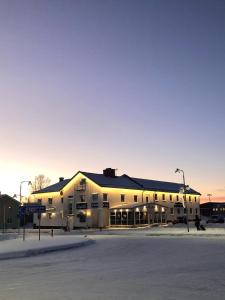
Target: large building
{"type": "Point", "coordinates": [101, 200]}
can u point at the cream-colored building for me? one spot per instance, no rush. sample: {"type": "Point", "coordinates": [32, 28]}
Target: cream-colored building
{"type": "Point", "coordinates": [101, 200]}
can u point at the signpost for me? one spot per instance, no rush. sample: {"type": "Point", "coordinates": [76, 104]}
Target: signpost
{"type": "Point", "coordinates": [31, 209]}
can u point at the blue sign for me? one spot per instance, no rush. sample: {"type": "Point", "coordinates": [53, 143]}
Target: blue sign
{"type": "Point", "coordinates": [31, 209]}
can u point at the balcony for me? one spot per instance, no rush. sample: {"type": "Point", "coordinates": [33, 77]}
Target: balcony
{"type": "Point", "coordinates": [81, 188]}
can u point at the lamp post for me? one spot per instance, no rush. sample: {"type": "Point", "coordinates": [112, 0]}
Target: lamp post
{"type": "Point", "coordinates": [184, 189]}
{"type": "Point", "coordinates": [21, 183]}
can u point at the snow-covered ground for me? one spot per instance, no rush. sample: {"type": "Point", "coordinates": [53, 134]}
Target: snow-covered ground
{"type": "Point", "coordinates": [123, 265]}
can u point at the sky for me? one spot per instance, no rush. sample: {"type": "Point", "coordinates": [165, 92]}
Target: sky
{"type": "Point", "coordinates": [128, 84]}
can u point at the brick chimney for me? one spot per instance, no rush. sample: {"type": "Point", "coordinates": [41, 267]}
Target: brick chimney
{"type": "Point", "coordinates": [109, 172]}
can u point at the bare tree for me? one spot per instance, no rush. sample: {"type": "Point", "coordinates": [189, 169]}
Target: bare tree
{"type": "Point", "coordinates": [40, 182]}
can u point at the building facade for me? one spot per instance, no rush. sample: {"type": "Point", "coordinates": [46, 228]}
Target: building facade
{"type": "Point", "coordinates": [9, 209]}
{"type": "Point", "coordinates": [210, 209]}
{"type": "Point", "coordinates": [102, 200]}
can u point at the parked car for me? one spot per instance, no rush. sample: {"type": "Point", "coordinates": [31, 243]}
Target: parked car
{"type": "Point", "coordinates": [180, 220]}
{"type": "Point", "coordinates": [215, 219]}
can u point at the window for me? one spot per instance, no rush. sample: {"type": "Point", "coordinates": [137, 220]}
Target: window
{"type": "Point", "coordinates": [196, 211]}
{"type": "Point", "coordinates": [135, 198]}
{"type": "Point", "coordinates": [171, 211]}
{"type": "Point", "coordinates": [189, 198]}
{"type": "Point", "coordinates": [191, 211]}
{"type": "Point", "coordinates": [70, 208]}
{"type": "Point", "coordinates": [171, 198]}
{"type": "Point", "coordinates": [195, 199]}
{"type": "Point", "coordinates": [105, 197]}
{"type": "Point", "coordinates": [163, 197]}
{"type": "Point", "coordinates": [50, 216]}
{"type": "Point", "coordinates": [70, 197]}
{"type": "Point", "coordinates": [177, 198]}
{"type": "Point", "coordinates": [82, 198]}
{"type": "Point", "coordinates": [39, 201]}
{"type": "Point", "coordinates": [122, 198]}
{"type": "Point", "coordinates": [178, 211]}
{"type": "Point", "coordinates": [9, 220]}
{"type": "Point", "coordinates": [155, 197]}
{"type": "Point", "coordinates": [94, 197]}
{"type": "Point", "coordinates": [146, 199]}
{"type": "Point", "coordinates": [49, 200]}
{"type": "Point", "coordinates": [185, 210]}
{"type": "Point", "coordinates": [62, 200]}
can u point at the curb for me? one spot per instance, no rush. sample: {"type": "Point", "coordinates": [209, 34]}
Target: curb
{"type": "Point", "coordinates": [39, 251]}
{"type": "Point", "coordinates": [186, 235]}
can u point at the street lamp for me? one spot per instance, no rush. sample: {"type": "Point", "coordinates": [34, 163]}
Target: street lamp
{"type": "Point", "coordinates": [185, 187]}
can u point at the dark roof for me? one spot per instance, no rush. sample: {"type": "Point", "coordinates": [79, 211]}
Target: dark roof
{"type": "Point", "coordinates": [54, 187]}
{"type": "Point", "coordinates": [161, 186]}
{"type": "Point", "coordinates": [124, 182]}
{"type": "Point", "coordinates": [4, 197]}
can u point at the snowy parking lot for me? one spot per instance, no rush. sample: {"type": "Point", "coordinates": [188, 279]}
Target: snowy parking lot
{"type": "Point", "coordinates": [122, 265]}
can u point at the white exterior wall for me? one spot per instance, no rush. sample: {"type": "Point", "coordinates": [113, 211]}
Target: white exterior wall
{"type": "Point", "coordinates": [99, 217]}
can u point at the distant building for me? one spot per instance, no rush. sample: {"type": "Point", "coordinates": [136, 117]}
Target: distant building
{"type": "Point", "coordinates": [9, 208]}
{"type": "Point", "coordinates": [101, 200]}
{"type": "Point", "coordinates": [209, 209]}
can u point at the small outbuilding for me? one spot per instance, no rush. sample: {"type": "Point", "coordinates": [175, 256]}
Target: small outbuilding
{"type": "Point", "coordinates": [9, 209]}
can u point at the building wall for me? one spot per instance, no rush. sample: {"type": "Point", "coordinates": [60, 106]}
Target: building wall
{"type": "Point", "coordinates": [9, 209]}
{"type": "Point", "coordinates": [80, 205]}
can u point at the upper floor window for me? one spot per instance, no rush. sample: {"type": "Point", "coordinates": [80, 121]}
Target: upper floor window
{"type": "Point", "coordinates": [82, 198]}
{"type": "Point", "coordinates": [135, 198]}
{"type": "Point", "coordinates": [147, 199]}
{"type": "Point", "coordinates": [39, 201]}
{"type": "Point", "coordinates": [94, 197]}
{"type": "Point", "coordinates": [155, 196]}
{"type": "Point", "coordinates": [62, 200]}
{"type": "Point", "coordinates": [49, 200]}
{"type": "Point", "coordinates": [70, 196]}
{"type": "Point", "coordinates": [195, 199]}
{"type": "Point", "coordinates": [122, 198]}
{"type": "Point", "coordinates": [177, 198]}
{"type": "Point", "coordinates": [189, 198]}
{"type": "Point", "coordinates": [163, 197]}
{"type": "Point", "coordinates": [70, 208]}
{"type": "Point", "coordinates": [171, 198]}
{"type": "Point", "coordinates": [105, 197]}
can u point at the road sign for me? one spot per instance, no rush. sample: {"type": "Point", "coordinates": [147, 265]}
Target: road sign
{"type": "Point", "coordinates": [31, 209]}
